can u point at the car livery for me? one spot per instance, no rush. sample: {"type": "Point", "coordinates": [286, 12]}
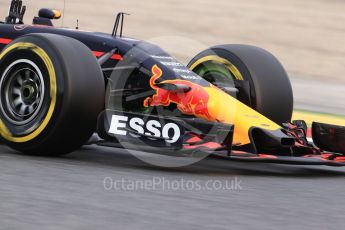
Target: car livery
{"type": "Point", "coordinates": [59, 86]}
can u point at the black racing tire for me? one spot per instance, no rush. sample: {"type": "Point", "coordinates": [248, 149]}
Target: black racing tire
{"type": "Point", "coordinates": [270, 88]}
{"type": "Point", "coordinates": [52, 90]}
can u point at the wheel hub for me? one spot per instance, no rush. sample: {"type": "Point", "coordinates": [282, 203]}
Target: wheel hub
{"type": "Point", "coordinates": [29, 92]}
{"type": "Point", "coordinates": [22, 92]}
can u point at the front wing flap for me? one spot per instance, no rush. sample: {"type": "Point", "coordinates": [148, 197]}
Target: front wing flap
{"type": "Point", "coordinates": [326, 159]}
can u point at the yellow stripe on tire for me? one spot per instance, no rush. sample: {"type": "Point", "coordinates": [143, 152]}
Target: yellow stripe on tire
{"type": "Point", "coordinates": [4, 131]}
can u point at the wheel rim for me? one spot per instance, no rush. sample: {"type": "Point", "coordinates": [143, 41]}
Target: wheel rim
{"type": "Point", "coordinates": [214, 72]}
{"type": "Point", "coordinates": [225, 75]}
{"type": "Point", "coordinates": [219, 75]}
{"type": "Point", "coordinates": [22, 92]}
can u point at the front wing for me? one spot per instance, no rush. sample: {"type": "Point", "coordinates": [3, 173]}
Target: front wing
{"type": "Point", "coordinates": [197, 137]}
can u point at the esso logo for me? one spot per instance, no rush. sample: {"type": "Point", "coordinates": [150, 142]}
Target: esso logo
{"type": "Point", "coordinates": [120, 125]}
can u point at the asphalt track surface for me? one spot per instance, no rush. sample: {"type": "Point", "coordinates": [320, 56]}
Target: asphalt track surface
{"type": "Point", "coordinates": [319, 96]}
{"type": "Point", "coordinates": [69, 193]}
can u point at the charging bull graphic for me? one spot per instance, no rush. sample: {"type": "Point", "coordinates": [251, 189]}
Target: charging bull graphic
{"type": "Point", "coordinates": [192, 102]}
{"type": "Point", "coordinates": [209, 103]}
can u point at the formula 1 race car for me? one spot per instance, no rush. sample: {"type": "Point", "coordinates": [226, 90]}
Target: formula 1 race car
{"type": "Point", "coordinates": [59, 86]}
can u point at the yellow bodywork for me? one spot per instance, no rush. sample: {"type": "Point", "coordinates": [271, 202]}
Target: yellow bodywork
{"type": "Point", "coordinates": [209, 103]}
{"type": "Point", "coordinates": [227, 109]}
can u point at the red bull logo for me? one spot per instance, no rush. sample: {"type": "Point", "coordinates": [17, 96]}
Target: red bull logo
{"type": "Point", "coordinates": [194, 102]}
{"type": "Point", "coordinates": [209, 103]}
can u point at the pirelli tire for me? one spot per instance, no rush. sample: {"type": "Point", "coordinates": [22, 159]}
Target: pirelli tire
{"type": "Point", "coordinates": [270, 91]}
{"type": "Point", "coordinates": [52, 90]}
